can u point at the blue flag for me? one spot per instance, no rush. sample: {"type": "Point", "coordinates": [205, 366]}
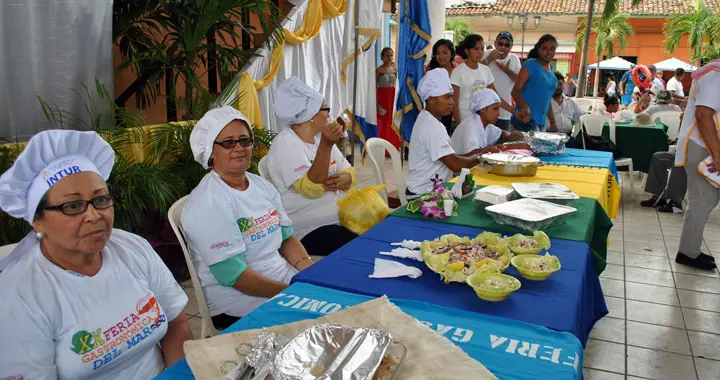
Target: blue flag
{"type": "Point", "coordinates": [414, 34]}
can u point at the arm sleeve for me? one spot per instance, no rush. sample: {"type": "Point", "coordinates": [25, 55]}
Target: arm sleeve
{"type": "Point", "coordinates": [29, 350]}
{"type": "Point", "coordinates": [456, 77]}
{"type": "Point", "coordinates": [515, 64]}
{"type": "Point", "coordinates": [308, 188]}
{"type": "Point", "coordinates": [577, 111]}
{"type": "Point", "coordinates": [277, 202]}
{"type": "Point", "coordinates": [352, 172]}
{"type": "Point", "coordinates": [227, 272]}
{"type": "Point", "coordinates": [707, 91]}
{"type": "Point", "coordinates": [167, 291]}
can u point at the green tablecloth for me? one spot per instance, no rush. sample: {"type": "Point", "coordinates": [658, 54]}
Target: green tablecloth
{"type": "Point", "coordinates": [590, 224]}
{"type": "Point", "coordinates": [639, 143]}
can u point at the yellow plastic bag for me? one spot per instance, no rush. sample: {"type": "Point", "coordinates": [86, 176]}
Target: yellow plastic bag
{"type": "Point", "coordinates": [360, 210]}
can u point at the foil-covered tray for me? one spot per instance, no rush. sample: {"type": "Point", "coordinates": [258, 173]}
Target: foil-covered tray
{"type": "Point", "coordinates": [551, 192]}
{"type": "Point", "coordinates": [530, 214]}
{"type": "Point", "coordinates": [546, 143]}
{"type": "Point", "coordinates": [334, 352]}
{"type": "Point", "coordinates": [514, 165]}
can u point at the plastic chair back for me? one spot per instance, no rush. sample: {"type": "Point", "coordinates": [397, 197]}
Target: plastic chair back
{"type": "Point", "coordinates": [671, 119]}
{"type": "Point", "coordinates": [207, 328]}
{"type": "Point", "coordinates": [262, 168]}
{"type": "Point", "coordinates": [6, 249]}
{"type": "Point", "coordinates": [585, 104]}
{"type": "Point", "coordinates": [376, 148]}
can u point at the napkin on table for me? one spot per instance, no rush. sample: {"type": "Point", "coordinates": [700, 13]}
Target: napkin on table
{"type": "Point", "coordinates": [404, 253]}
{"type": "Point", "coordinates": [457, 187]}
{"type": "Point", "coordinates": [409, 244]}
{"type": "Point", "coordinates": [389, 269]}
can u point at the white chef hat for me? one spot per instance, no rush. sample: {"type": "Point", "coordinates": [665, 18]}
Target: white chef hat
{"type": "Point", "coordinates": [296, 102]}
{"type": "Point", "coordinates": [209, 127]}
{"type": "Point", "coordinates": [49, 157]}
{"type": "Point", "coordinates": [435, 83]}
{"type": "Point", "coordinates": [483, 98]}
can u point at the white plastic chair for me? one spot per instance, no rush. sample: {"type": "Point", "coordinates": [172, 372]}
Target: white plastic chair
{"type": "Point", "coordinates": [376, 148]}
{"type": "Point", "coordinates": [585, 104]}
{"type": "Point", "coordinates": [672, 120]}
{"type": "Point", "coordinates": [593, 124]}
{"type": "Point", "coordinates": [262, 167]}
{"type": "Point", "coordinates": [207, 328]}
{"type": "Point", "coordinates": [6, 249]}
{"type": "Point", "coordinates": [622, 162]}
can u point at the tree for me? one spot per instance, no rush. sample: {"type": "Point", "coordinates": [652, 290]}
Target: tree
{"type": "Point", "coordinates": [611, 32]}
{"type": "Point", "coordinates": [461, 29]}
{"type": "Point", "coordinates": [701, 26]}
{"type": "Point", "coordinates": [611, 7]}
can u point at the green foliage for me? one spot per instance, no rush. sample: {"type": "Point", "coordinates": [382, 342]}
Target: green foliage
{"type": "Point", "coordinates": [611, 7]}
{"type": "Point", "coordinates": [460, 27]}
{"type": "Point", "coordinates": [11, 229]}
{"type": "Point", "coordinates": [612, 34]}
{"type": "Point", "coordinates": [702, 28]}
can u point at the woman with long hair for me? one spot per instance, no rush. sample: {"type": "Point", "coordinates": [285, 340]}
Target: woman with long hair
{"type": "Point", "coordinates": [443, 56]}
{"type": "Point", "coordinates": [535, 86]}
{"type": "Point", "coordinates": [385, 77]}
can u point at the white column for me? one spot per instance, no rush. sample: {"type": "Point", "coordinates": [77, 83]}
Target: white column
{"type": "Point", "coordinates": [436, 9]}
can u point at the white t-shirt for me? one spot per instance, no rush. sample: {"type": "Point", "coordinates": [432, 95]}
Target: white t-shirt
{"type": "Point", "coordinates": [469, 81]}
{"type": "Point", "coordinates": [428, 144]}
{"type": "Point", "coordinates": [662, 108]}
{"type": "Point", "coordinates": [503, 83]}
{"type": "Point", "coordinates": [674, 85]}
{"type": "Point", "coordinates": [469, 136]}
{"type": "Point", "coordinates": [289, 159]}
{"type": "Point", "coordinates": [220, 222]}
{"type": "Point", "coordinates": [58, 324]}
{"type": "Point", "coordinates": [704, 92]}
{"type": "Point", "coordinates": [611, 88]}
{"type": "Point", "coordinates": [658, 82]}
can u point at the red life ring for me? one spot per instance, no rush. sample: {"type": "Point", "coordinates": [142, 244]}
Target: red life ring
{"type": "Point", "coordinates": [641, 76]}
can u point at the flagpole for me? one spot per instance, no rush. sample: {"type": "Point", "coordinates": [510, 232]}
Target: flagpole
{"type": "Point", "coordinates": [402, 114]}
{"type": "Point", "coordinates": [355, 78]}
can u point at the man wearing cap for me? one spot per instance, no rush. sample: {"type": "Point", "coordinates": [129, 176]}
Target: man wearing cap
{"type": "Point", "coordinates": [80, 299]}
{"type": "Point", "coordinates": [627, 86]}
{"type": "Point", "coordinates": [431, 153]}
{"type": "Point", "coordinates": [505, 67]}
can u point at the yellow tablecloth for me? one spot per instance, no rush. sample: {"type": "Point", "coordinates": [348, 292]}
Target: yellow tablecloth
{"type": "Point", "coordinates": [596, 183]}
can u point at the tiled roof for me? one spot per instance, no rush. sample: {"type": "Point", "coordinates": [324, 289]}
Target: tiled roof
{"type": "Point", "coordinates": [571, 7]}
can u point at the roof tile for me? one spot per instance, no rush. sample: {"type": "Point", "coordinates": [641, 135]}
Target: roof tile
{"type": "Point", "coordinates": [571, 7]}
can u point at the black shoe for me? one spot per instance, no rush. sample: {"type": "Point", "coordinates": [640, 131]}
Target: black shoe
{"type": "Point", "coordinates": [668, 207]}
{"type": "Point", "coordinates": [651, 202]}
{"type": "Point", "coordinates": [700, 262]}
{"type": "Point", "coordinates": [707, 257]}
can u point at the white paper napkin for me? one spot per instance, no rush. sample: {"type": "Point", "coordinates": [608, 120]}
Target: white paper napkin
{"type": "Point", "coordinates": [713, 178]}
{"type": "Point", "coordinates": [389, 269]}
{"type": "Point", "coordinates": [409, 244]}
{"type": "Point", "coordinates": [404, 253]}
{"type": "Point", "coordinates": [457, 187]}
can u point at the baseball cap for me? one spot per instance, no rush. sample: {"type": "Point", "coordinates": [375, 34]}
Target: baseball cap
{"type": "Point", "coordinates": [506, 35]}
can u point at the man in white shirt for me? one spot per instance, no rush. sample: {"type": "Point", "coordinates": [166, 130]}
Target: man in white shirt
{"type": "Point", "coordinates": [564, 109]}
{"type": "Point", "coordinates": [699, 147]}
{"type": "Point", "coordinates": [431, 153]}
{"type": "Point", "coordinates": [505, 67]}
{"type": "Point", "coordinates": [675, 86]}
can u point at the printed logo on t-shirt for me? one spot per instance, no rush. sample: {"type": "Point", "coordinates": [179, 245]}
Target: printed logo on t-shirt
{"type": "Point", "coordinates": [301, 168]}
{"type": "Point", "coordinates": [478, 85]}
{"type": "Point", "coordinates": [221, 245]}
{"type": "Point", "coordinates": [261, 227]}
{"type": "Point", "coordinates": [13, 377]}
{"type": "Point", "coordinates": [332, 168]}
{"type": "Point", "coordinates": [100, 347]}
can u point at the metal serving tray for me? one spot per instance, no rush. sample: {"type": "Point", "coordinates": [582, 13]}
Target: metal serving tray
{"type": "Point", "coordinates": [530, 214]}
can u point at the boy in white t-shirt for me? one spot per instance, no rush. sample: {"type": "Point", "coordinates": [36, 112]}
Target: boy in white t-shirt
{"type": "Point", "coordinates": [431, 153]}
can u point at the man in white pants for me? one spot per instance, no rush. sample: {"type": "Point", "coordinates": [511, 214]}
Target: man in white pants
{"type": "Point", "coordinates": [699, 141]}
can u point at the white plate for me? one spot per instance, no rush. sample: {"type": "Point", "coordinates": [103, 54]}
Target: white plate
{"type": "Point", "coordinates": [544, 191]}
{"type": "Point", "coordinates": [531, 210]}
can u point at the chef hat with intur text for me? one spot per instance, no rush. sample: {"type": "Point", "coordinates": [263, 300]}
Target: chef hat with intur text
{"type": "Point", "coordinates": [208, 128]}
{"type": "Point", "coordinates": [483, 98]}
{"type": "Point", "coordinates": [296, 102]}
{"type": "Point", "coordinates": [435, 83]}
{"type": "Point", "coordinates": [49, 157]}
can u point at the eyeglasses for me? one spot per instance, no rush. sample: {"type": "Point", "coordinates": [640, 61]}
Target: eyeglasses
{"type": "Point", "coordinates": [80, 206]}
{"type": "Point", "coordinates": [326, 109]}
{"type": "Point", "coordinates": [229, 144]}
{"type": "Point", "coordinates": [504, 44]}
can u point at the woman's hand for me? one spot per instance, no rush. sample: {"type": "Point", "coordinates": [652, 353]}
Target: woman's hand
{"type": "Point", "coordinates": [332, 134]}
{"type": "Point", "coordinates": [524, 114]}
{"type": "Point", "coordinates": [339, 181]}
{"type": "Point", "coordinates": [516, 136]}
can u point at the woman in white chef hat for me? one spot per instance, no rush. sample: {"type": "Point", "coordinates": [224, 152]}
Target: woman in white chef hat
{"type": "Point", "coordinates": [79, 299]}
{"type": "Point", "coordinates": [431, 152]}
{"type": "Point", "coordinates": [479, 133]}
{"type": "Point", "coordinates": [308, 169]}
{"type": "Point", "coordinates": [241, 240]}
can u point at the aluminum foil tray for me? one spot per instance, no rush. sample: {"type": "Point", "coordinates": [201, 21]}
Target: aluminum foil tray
{"type": "Point", "coordinates": [530, 214]}
{"type": "Point", "coordinates": [546, 143]}
{"type": "Point", "coordinates": [333, 352]}
{"type": "Point", "coordinates": [513, 165]}
{"type": "Point", "coordinates": [551, 192]}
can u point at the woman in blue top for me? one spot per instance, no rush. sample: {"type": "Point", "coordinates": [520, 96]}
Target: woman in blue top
{"type": "Point", "coordinates": [534, 88]}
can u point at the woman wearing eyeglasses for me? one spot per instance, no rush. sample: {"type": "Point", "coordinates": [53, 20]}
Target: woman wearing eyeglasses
{"type": "Point", "coordinates": [240, 238]}
{"type": "Point", "coordinates": [79, 299]}
{"type": "Point", "coordinates": [307, 168]}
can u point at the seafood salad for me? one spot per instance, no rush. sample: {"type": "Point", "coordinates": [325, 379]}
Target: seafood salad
{"type": "Point", "coordinates": [467, 253]}
{"type": "Point", "coordinates": [521, 244]}
{"type": "Point", "coordinates": [497, 284]}
{"type": "Point", "coordinates": [455, 258]}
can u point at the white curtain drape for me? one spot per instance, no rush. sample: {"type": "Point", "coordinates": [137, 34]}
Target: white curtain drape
{"type": "Point", "coordinates": [48, 48]}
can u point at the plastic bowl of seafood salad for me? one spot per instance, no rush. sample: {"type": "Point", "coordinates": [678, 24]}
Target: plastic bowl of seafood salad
{"type": "Point", "coordinates": [493, 287]}
{"type": "Point", "coordinates": [524, 245]}
{"type": "Point", "coordinates": [455, 258]}
{"type": "Point", "coordinates": [536, 267]}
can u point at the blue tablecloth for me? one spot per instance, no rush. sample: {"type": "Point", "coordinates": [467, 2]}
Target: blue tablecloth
{"type": "Point", "coordinates": [584, 158]}
{"type": "Point", "coordinates": [509, 349]}
{"type": "Point", "coordinates": [570, 300]}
